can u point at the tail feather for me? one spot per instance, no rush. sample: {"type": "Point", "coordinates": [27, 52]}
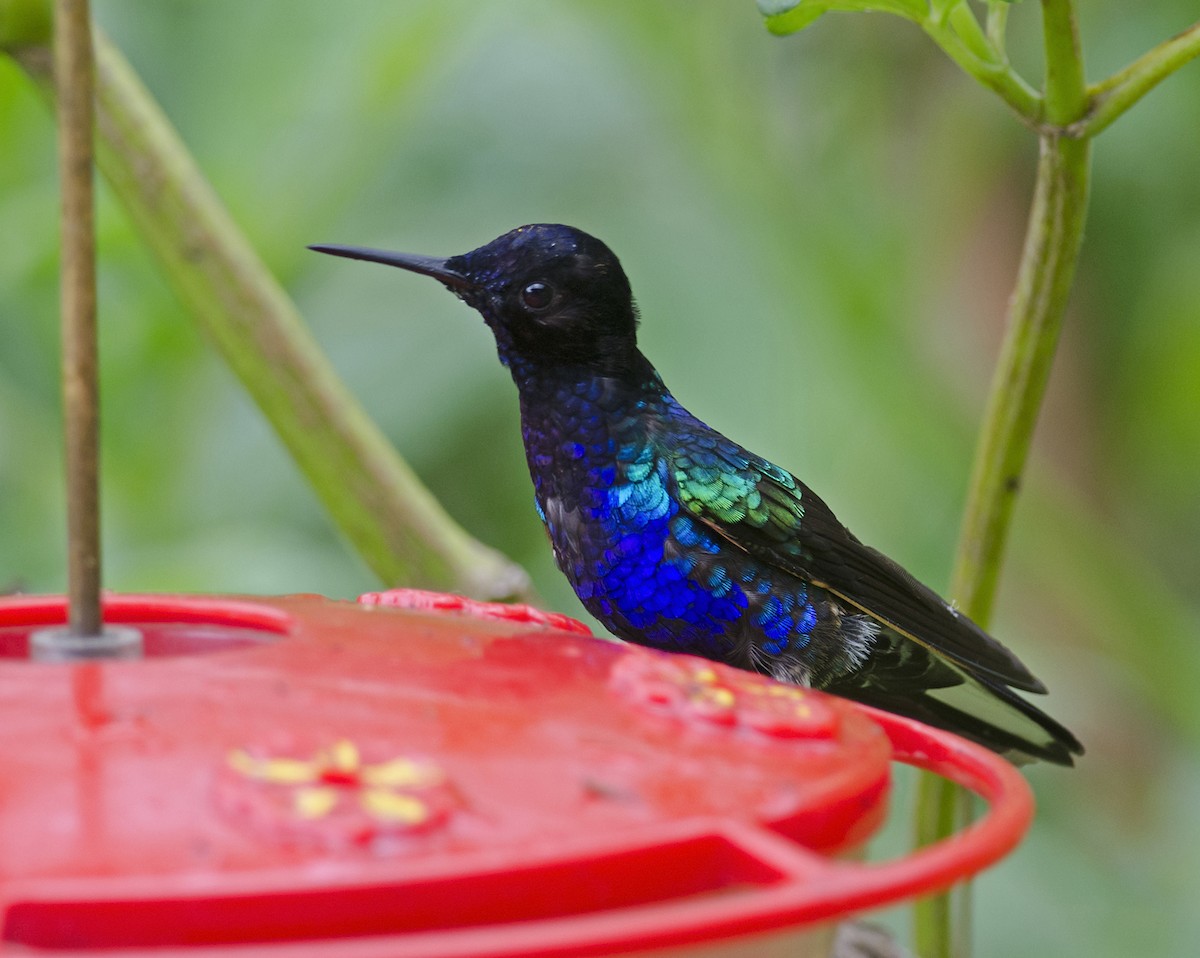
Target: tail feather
{"type": "Point", "coordinates": [1022, 731]}
{"type": "Point", "coordinates": [943, 694]}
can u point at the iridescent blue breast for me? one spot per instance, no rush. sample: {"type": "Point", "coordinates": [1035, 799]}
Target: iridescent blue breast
{"type": "Point", "coordinates": [637, 557]}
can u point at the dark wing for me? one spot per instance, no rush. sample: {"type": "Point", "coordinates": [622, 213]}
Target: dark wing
{"type": "Point", "coordinates": [901, 676]}
{"type": "Point", "coordinates": [769, 514]}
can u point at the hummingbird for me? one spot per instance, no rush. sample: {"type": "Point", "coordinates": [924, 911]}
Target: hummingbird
{"type": "Point", "coordinates": [676, 537]}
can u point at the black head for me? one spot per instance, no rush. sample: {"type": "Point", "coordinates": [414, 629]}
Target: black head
{"type": "Point", "coordinates": [553, 295]}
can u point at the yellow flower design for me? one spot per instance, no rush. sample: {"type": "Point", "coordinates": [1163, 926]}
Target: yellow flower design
{"type": "Point", "coordinates": [337, 775]}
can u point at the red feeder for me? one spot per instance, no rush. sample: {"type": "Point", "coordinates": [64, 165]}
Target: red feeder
{"type": "Point", "coordinates": [444, 780]}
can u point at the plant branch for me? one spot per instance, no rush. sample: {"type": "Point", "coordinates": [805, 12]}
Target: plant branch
{"type": "Point", "coordinates": [1035, 318]}
{"type": "Point", "coordinates": [393, 521]}
{"type": "Point", "coordinates": [1039, 302]}
{"type": "Point", "coordinates": [1066, 87]}
{"type": "Point", "coordinates": [1112, 97]}
{"type": "Point", "coordinates": [997, 25]}
{"type": "Point", "coordinates": [951, 24]}
{"type": "Point", "coordinates": [994, 71]}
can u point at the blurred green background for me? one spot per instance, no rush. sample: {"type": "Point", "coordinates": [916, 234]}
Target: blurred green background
{"type": "Point", "coordinates": [822, 232]}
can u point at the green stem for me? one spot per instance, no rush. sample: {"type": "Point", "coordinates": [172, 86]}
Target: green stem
{"type": "Point", "coordinates": [1035, 314]}
{"type": "Point", "coordinates": [1052, 243]}
{"type": "Point", "coordinates": [1112, 97]}
{"type": "Point", "coordinates": [394, 522]}
{"type": "Point", "coordinates": [993, 71]}
{"type": "Point", "coordinates": [962, 18]}
{"type": "Point", "coordinates": [1035, 317]}
{"type": "Point", "coordinates": [941, 923]}
{"type": "Point", "coordinates": [997, 26]}
{"type": "Point", "coordinates": [1066, 87]}
{"type": "Point", "coordinates": [1039, 302]}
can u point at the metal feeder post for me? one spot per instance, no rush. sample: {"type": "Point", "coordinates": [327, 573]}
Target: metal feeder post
{"type": "Point", "coordinates": [84, 636]}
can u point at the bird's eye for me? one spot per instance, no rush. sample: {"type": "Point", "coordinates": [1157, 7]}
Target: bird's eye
{"type": "Point", "coordinates": [537, 296]}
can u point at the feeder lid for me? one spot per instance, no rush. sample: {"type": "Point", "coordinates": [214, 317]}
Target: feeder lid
{"type": "Point", "coordinates": [431, 781]}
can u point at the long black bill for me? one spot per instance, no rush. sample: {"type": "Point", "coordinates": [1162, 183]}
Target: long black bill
{"type": "Point", "coordinates": [426, 265]}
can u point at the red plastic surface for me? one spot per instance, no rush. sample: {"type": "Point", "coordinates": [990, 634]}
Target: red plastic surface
{"type": "Point", "coordinates": [370, 782]}
{"type": "Point", "coordinates": [422, 600]}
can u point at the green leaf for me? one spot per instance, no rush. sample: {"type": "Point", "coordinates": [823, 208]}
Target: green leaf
{"type": "Point", "coordinates": [789, 16]}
